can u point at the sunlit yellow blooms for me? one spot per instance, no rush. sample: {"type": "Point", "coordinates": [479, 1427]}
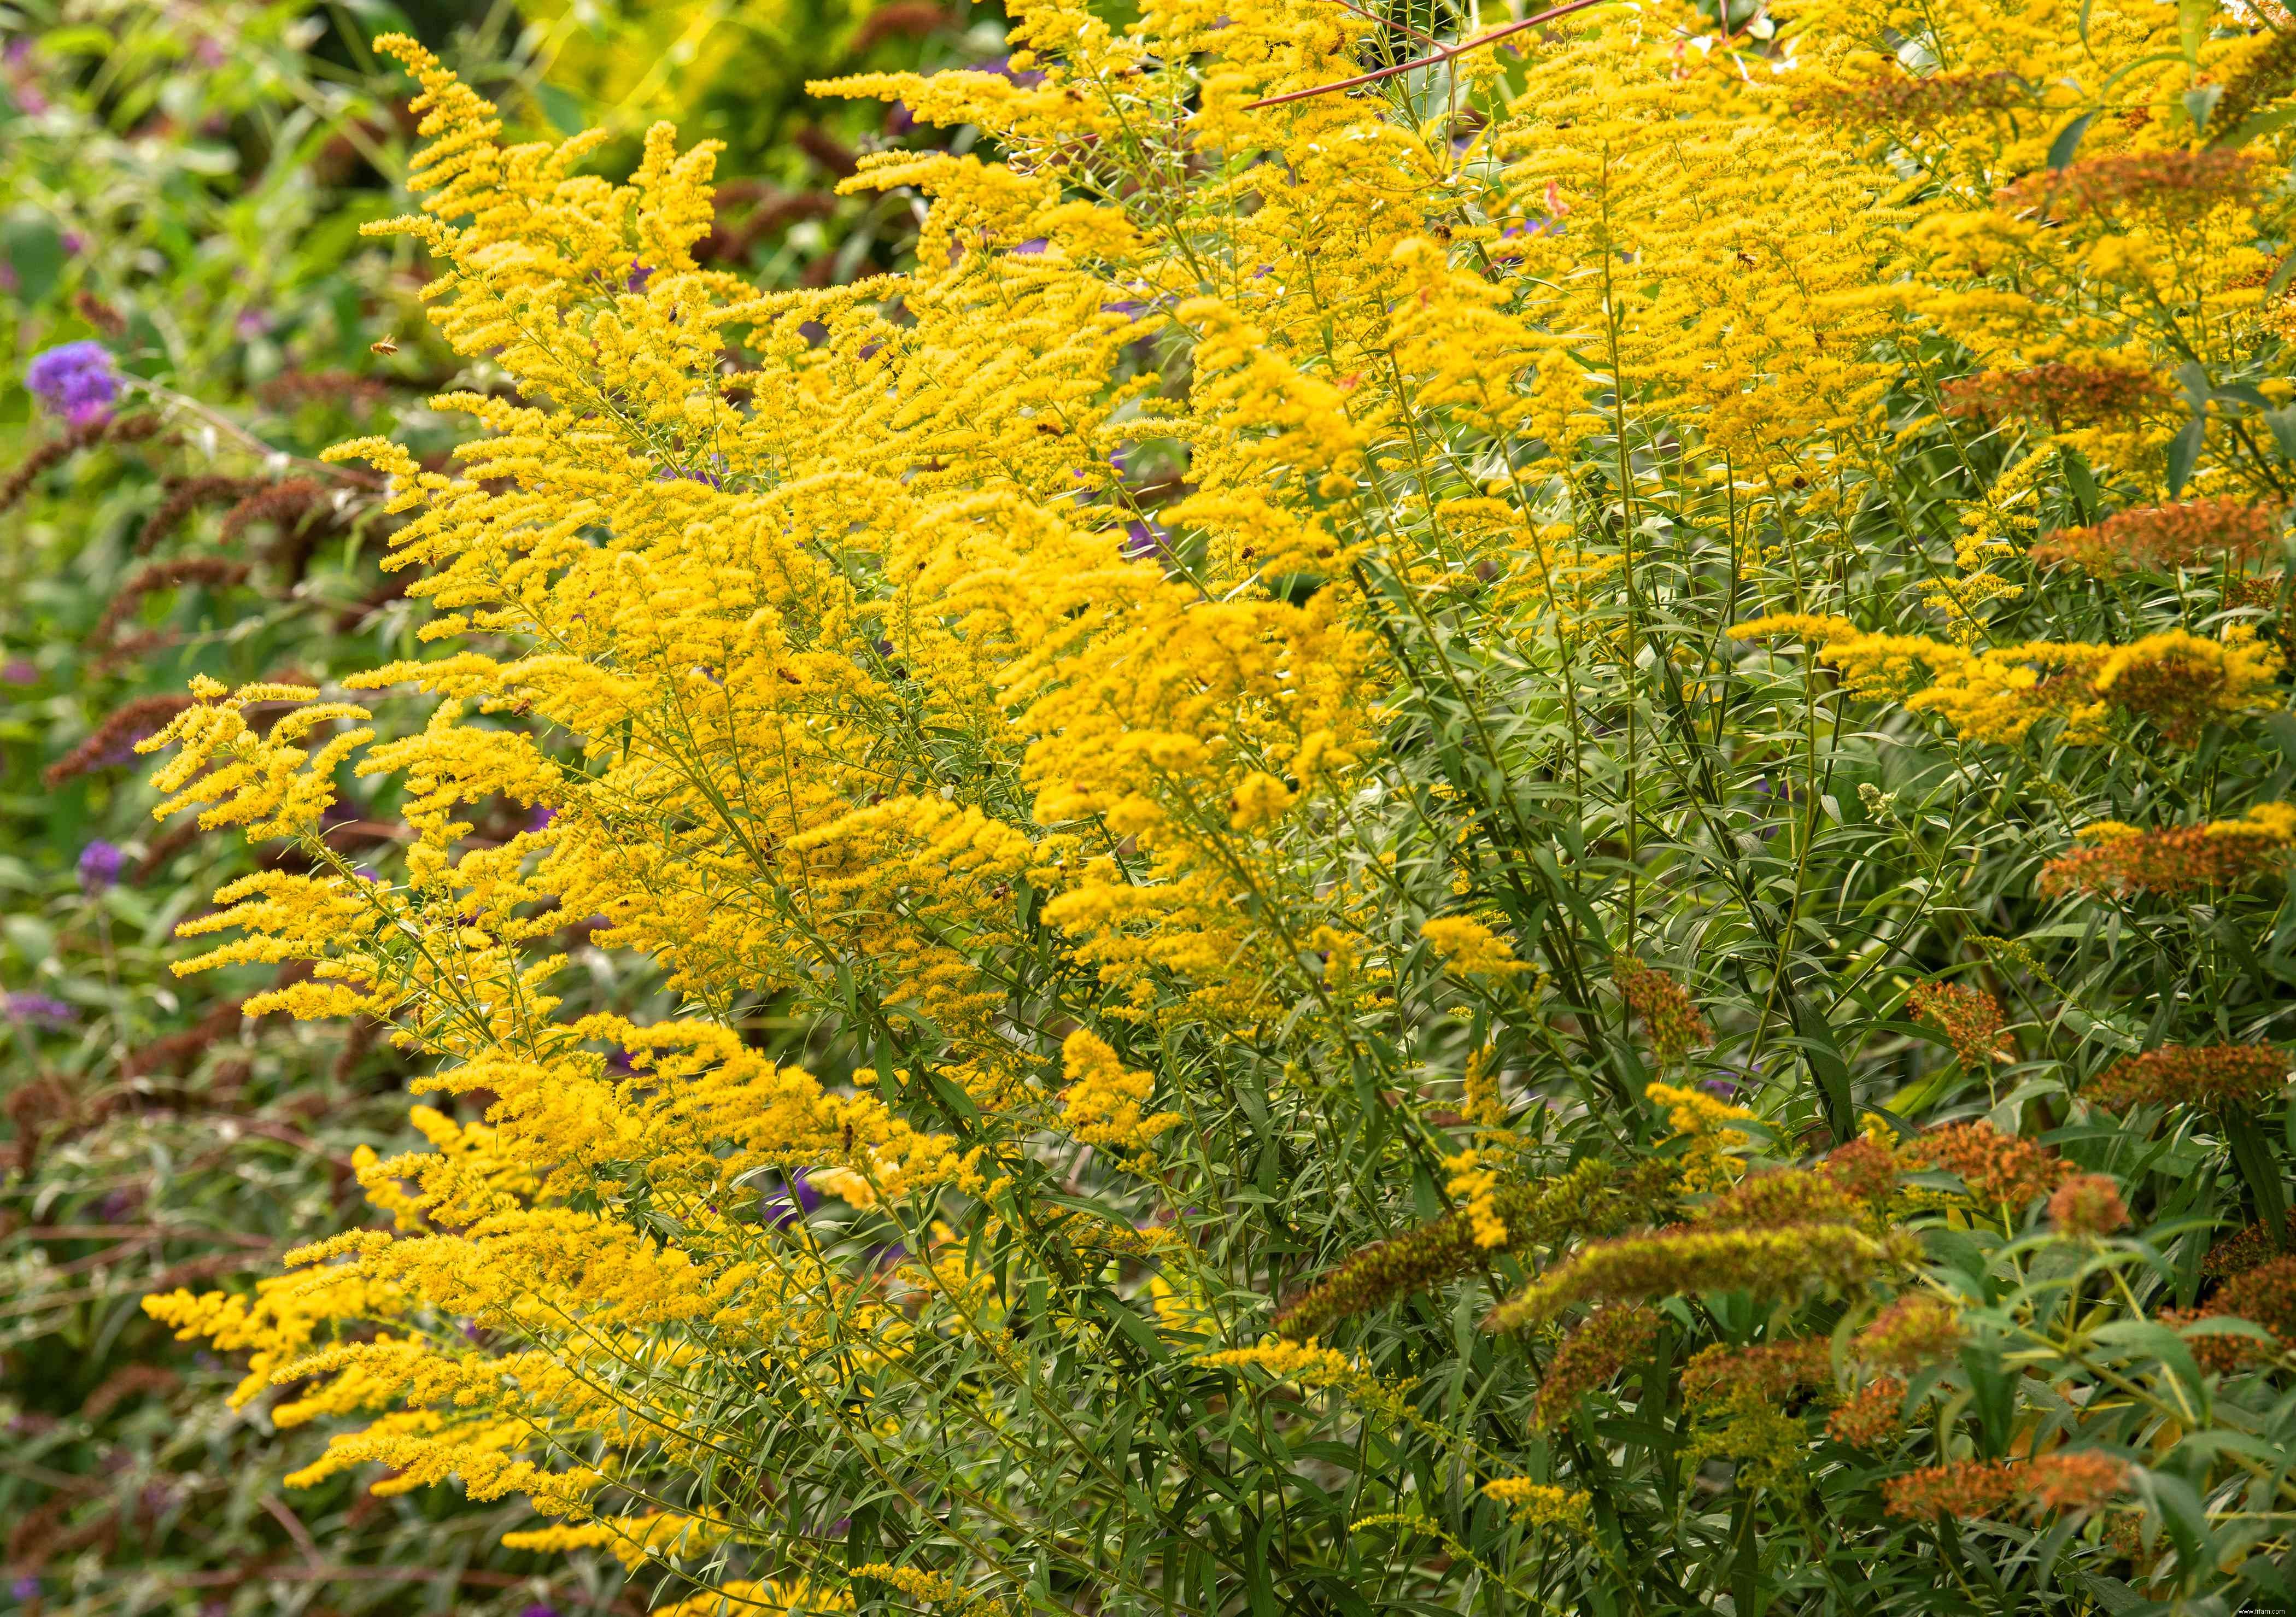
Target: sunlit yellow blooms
{"type": "Point", "coordinates": [1541, 1505]}
{"type": "Point", "coordinates": [1704, 1126]}
{"type": "Point", "coordinates": [1102, 1104]}
{"type": "Point", "coordinates": [1469, 948]}
{"type": "Point", "coordinates": [1476, 1187]}
{"type": "Point", "coordinates": [2175, 680]}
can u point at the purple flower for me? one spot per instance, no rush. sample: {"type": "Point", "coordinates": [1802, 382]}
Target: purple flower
{"type": "Point", "coordinates": [777, 1209]}
{"type": "Point", "coordinates": [21, 670]}
{"type": "Point", "coordinates": [99, 865]}
{"type": "Point", "coordinates": [74, 243]}
{"type": "Point", "coordinates": [1720, 1089]}
{"type": "Point", "coordinates": [1028, 79]}
{"type": "Point", "coordinates": [1143, 539]}
{"type": "Point", "coordinates": [25, 1587]}
{"type": "Point", "coordinates": [539, 820]}
{"type": "Point", "coordinates": [1034, 244]}
{"type": "Point", "coordinates": [40, 1007]}
{"type": "Point", "coordinates": [78, 381]}
{"type": "Point", "coordinates": [539, 1610]}
{"type": "Point", "coordinates": [253, 324]}
{"type": "Point", "coordinates": [899, 120]}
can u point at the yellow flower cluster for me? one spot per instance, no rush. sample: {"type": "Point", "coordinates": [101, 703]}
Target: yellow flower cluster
{"type": "Point", "coordinates": [1119, 634]}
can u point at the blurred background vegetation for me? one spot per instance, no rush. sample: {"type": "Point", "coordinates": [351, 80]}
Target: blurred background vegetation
{"type": "Point", "coordinates": [183, 184]}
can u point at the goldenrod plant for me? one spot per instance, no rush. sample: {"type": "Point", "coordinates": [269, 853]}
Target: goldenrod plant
{"type": "Point", "coordinates": [1527, 793]}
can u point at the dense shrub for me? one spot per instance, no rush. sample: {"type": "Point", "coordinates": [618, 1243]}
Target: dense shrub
{"type": "Point", "coordinates": [1529, 819]}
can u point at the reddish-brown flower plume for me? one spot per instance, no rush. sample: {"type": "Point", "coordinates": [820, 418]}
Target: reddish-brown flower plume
{"type": "Point", "coordinates": [1668, 1017]}
{"type": "Point", "coordinates": [2162, 539]}
{"type": "Point", "coordinates": [2214, 1076]}
{"type": "Point", "coordinates": [1970, 1019]}
{"type": "Point", "coordinates": [1597, 1350]}
{"type": "Point", "coordinates": [1910, 1333]}
{"type": "Point", "coordinates": [1999, 1168]}
{"type": "Point", "coordinates": [2058, 394]}
{"type": "Point", "coordinates": [2188, 860]}
{"type": "Point", "coordinates": [2088, 1204]}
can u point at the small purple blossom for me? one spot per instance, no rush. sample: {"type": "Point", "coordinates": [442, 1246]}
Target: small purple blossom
{"type": "Point", "coordinates": [777, 1209]}
{"type": "Point", "coordinates": [253, 324]}
{"type": "Point", "coordinates": [20, 671]}
{"type": "Point", "coordinates": [25, 1587]}
{"type": "Point", "coordinates": [40, 1007]}
{"type": "Point", "coordinates": [99, 865]}
{"type": "Point", "coordinates": [539, 820]}
{"type": "Point", "coordinates": [1143, 539]}
{"type": "Point", "coordinates": [78, 381]}
{"type": "Point", "coordinates": [539, 1610]}
{"type": "Point", "coordinates": [1720, 1089]}
{"type": "Point", "coordinates": [1034, 244]}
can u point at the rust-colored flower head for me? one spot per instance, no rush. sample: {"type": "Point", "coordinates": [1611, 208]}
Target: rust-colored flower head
{"type": "Point", "coordinates": [1900, 101]}
{"type": "Point", "coordinates": [2078, 1480]}
{"type": "Point", "coordinates": [1772, 1373]}
{"type": "Point", "coordinates": [1668, 1017]}
{"type": "Point", "coordinates": [2114, 859]}
{"type": "Point", "coordinates": [1970, 1019]}
{"type": "Point", "coordinates": [1910, 1333]}
{"type": "Point", "coordinates": [2169, 187]}
{"type": "Point", "coordinates": [2216, 1077]}
{"type": "Point", "coordinates": [2059, 394]}
{"type": "Point", "coordinates": [1999, 1168]}
{"type": "Point", "coordinates": [2163, 539]}
{"type": "Point", "coordinates": [1871, 1415]}
{"type": "Point", "coordinates": [1597, 1350]}
{"type": "Point", "coordinates": [2088, 1204]}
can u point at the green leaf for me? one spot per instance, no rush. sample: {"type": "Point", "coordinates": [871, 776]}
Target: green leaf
{"type": "Point", "coordinates": [2068, 141]}
{"type": "Point", "coordinates": [2185, 452]}
{"type": "Point", "coordinates": [2194, 19]}
{"type": "Point", "coordinates": [35, 252]}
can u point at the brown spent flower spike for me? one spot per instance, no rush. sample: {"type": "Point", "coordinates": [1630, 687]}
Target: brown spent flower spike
{"type": "Point", "coordinates": [1970, 1019]}
{"type": "Point", "coordinates": [2088, 1204]}
{"type": "Point", "coordinates": [2165, 538]}
{"type": "Point", "coordinates": [2000, 1169]}
{"type": "Point", "coordinates": [2057, 394]}
{"type": "Point", "coordinates": [1910, 1334]}
{"type": "Point", "coordinates": [2170, 187]}
{"type": "Point", "coordinates": [1668, 1015]}
{"type": "Point", "coordinates": [2188, 860]}
{"type": "Point", "coordinates": [1597, 1350]}
{"type": "Point", "coordinates": [1918, 104]}
{"type": "Point", "coordinates": [2216, 1077]}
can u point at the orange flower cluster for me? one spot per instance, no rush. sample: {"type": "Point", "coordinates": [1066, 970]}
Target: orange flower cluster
{"type": "Point", "coordinates": [2080, 1480]}
{"type": "Point", "coordinates": [2162, 539]}
{"type": "Point", "coordinates": [2186, 859]}
{"type": "Point", "coordinates": [2183, 686]}
{"type": "Point", "coordinates": [2088, 1204]}
{"type": "Point", "coordinates": [1672, 1021]}
{"type": "Point", "coordinates": [2062, 395]}
{"type": "Point", "coordinates": [1598, 1348]}
{"type": "Point", "coordinates": [1870, 1416]}
{"type": "Point", "coordinates": [2171, 185]}
{"type": "Point", "coordinates": [1771, 1372]}
{"type": "Point", "coordinates": [1910, 1333]}
{"type": "Point", "coordinates": [2214, 1076]}
{"type": "Point", "coordinates": [1866, 1171]}
{"type": "Point", "coordinates": [2265, 1295]}
{"type": "Point", "coordinates": [1999, 1168]}
{"type": "Point", "coordinates": [2236, 1254]}
{"type": "Point", "coordinates": [1970, 1019]}
{"type": "Point", "coordinates": [1920, 103]}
